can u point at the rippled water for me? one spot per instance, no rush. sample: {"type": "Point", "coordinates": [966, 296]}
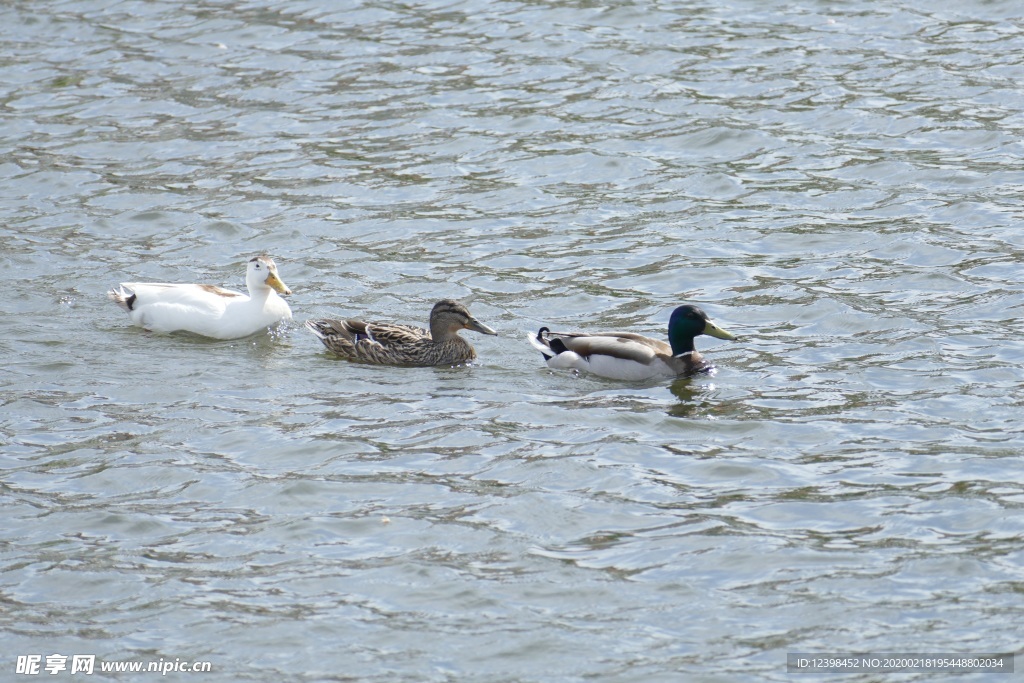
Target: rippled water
{"type": "Point", "coordinates": [838, 183]}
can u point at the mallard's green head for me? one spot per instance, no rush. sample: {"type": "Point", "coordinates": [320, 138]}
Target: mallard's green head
{"type": "Point", "coordinates": [687, 322]}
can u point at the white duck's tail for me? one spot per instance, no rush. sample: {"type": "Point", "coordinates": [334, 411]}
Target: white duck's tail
{"type": "Point", "coordinates": [123, 298]}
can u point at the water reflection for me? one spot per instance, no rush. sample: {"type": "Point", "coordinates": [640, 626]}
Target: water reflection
{"type": "Point", "coordinates": [689, 393]}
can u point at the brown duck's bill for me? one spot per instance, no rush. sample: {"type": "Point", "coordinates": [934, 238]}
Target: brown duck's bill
{"type": "Point", "coordinates": [280, 287]}
{"type": "Point", "coordinates": [477, 326]}
{"type": "Point", "coordinates": [715, 331]}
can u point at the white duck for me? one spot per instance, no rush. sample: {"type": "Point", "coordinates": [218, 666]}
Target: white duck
{"type": "Point", "coordinates": [208, 310]}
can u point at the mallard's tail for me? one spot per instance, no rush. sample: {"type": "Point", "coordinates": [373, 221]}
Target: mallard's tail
{"type": "Point", "coordinates": [542, 344]}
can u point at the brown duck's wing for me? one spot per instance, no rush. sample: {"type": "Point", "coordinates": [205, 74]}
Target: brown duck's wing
{"type": "Point", "coordinates": [328, 328]}
{"type": "Point", "coordinates": [336, 335]}
{"type": "Point", "coordinates": [390, 334]}
{"type": "Point", "coordinates": [356, 330]}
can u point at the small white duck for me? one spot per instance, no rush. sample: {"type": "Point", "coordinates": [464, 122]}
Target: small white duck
{"type": "Point", "coordinates": [208, 310]}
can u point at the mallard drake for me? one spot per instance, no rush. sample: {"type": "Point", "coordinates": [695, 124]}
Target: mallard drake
{"type": "Point", "coordinates": [392, 344]}
{"type": "Point", "coordinates": [207, 309]}
{"type": "Point", "coordinates": [623, 355]}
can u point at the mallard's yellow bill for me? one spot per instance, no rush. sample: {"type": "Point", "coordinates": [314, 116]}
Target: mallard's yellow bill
{"type": "Point", "coordinates": [715, 331]}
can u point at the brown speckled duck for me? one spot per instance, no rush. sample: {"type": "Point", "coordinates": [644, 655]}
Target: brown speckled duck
{"type": "Point", "coordinates": [393, 344]}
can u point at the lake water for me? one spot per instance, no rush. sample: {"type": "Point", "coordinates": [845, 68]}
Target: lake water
{"type": "Point", "coordinates": [840, 184]}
